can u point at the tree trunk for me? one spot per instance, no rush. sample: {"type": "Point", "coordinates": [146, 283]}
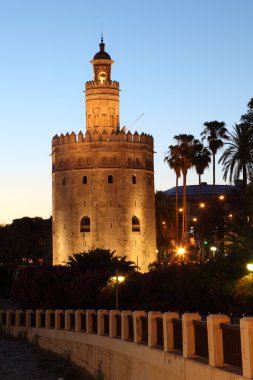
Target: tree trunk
{"type": "Point", "coordinates": [177, 232]}
{"type": "Point", "coordinates": [184, 229]}
{"type": "Point", "coordinates": [213, 174]}
{"type": "Point", "coordinates": [244, 176]}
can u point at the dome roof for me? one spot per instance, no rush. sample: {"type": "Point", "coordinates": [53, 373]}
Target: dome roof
{"type": "Point", "coordinates": [102, 53]}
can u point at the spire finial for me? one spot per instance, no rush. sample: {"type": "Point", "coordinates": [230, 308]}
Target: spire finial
{"type": "Point", "coordinates": [102, 45]}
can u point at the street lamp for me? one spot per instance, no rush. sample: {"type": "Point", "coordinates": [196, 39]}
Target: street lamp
{"type": "Point", "coordinates": [202, 206]}
{"type": "Point", "coordinates": [117, 279]}
{"type": "Point", "coordinates": [250, 267]}
{"type": "Point", "coordinates": [213, 250]}
{"type": "Point", "coordinates": [181, 252]}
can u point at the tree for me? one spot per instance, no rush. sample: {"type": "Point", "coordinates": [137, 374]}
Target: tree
{"type": "Point", "coordinates": [248, 117]}
{"type": "Point", "coordinates": [26, 240]}
{"type": "Point", "coordinates": [187, 149]}
{"type": "Point", "coordinates": [165, 223]}
{"type": "Point", "coordinates": [238, 157]}
{"type": "Point", "coordinates": [215, 132]}
{"type": "Point", "coordinates": [100, 260]}
{"type": "Point", "coordinates": [201, 159]}
{"type": "Point", "coordinates": [174, 161]}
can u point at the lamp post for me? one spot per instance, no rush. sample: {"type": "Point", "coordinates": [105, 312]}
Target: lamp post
{"type": "Point", "coordinates": [202, 207]}
{"type": "Point", "coordinates": [117, 279]}
{"type": "Point", "coordinates": [213, 249]}
{"type": "Point", "coordinates": [181, 252]}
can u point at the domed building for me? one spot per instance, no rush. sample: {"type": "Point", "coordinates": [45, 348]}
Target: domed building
{"type": "Point", "coordinates": [103, 179]}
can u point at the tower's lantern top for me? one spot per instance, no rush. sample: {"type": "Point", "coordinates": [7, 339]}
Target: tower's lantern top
{"type": "Point", "coordinates": [102, 53]}
{"type": "Point", "coordinates": [102, 65]}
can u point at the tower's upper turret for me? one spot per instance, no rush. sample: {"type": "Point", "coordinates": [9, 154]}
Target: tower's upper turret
{"type": "Point", "coordinates": [102, 53]}
{"type": "Point", "coordinates": [102, 64]}
{"type": "Point", "coordinates": [102, 95]}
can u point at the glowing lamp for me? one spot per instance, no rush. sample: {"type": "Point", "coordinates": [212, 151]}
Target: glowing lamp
{"type": "Point", "coordinates": [250, 267]}
{"type": "Point", "coordinates": [119, 278]}
{"type": "Point", "coordinates": [181, 250]}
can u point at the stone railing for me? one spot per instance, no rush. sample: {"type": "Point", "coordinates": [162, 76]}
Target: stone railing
{"type": "Point", "coordinates": [213, 341]}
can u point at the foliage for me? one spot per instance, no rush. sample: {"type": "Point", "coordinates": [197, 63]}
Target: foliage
{"type": "Point", "coordinates": [238, 156]}
{"type": "Point", "coordinates": [208, 287]}
{"type": "Point", "coordinates": [215, 132]}
{"type": "Point", "coordinates": [6, 279]}
{"type": "Point", "coordinates": [57, 287]}
{"type": "Point", "coordinates": [100, 260]}
{"type": "Point", "coordinates": [42, 287]}
{"type": "Point", "coordinates": [248, 116]}
{"type": "Point", "coordinates": [24, 240]}
{"type": "Point", "coordinates": [187, 146]}
{"type": "Point", "coordinates": [239, 241]}
{"type": "Point", "coordinates": [165, 222]}
{"type": "Point", "coordinates": [201, 159]}
{"type": "Point", "coordinates": [84, 289]}
{"type": "Point", "coordinates": [243, 294]}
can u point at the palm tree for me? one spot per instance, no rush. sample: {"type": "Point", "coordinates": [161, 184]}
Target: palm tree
{"type": "Point", "coordinates": [238, 157]}
{"type": "Point", "coordinates": [201, 159]}
{"type": "Point", "coordinates": [100, 260]}
{"type": "Point", "coordinates": [187, 149]}
{"type": "Point", "coordinates": [174, 161]}
{"type": "Point", "coordinates": [215, 132]}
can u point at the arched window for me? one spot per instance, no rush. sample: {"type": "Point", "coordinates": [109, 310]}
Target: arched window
{"type": "Point", "coordinates": [134, 180]}
{"type": "Point", "coordinates": [135, 224]}
{"type": "Point", "coordinates": [149, 180]}
{"type": "Point", "coordinates": [85, 224]}
{"type": "Point", "coordinates": [63, 181]}
{"type": "Point", "coordinates": [84, 180]}
{"type": "Point", "coordinates": [110, 178]}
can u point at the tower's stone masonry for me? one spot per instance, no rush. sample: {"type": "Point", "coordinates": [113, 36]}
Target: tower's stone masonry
{"type": "Point", "coordinates": [103, 181]}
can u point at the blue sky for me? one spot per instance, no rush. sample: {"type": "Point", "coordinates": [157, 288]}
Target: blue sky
{"type": "Point", "coordinates": [181, 63]}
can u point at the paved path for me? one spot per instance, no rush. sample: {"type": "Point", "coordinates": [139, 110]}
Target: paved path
{"type": "Point", "coordinates": [18, 362]}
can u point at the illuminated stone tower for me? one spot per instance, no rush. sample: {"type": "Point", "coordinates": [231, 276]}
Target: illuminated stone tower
{"type": "Point", "coordinates": [103, 180]}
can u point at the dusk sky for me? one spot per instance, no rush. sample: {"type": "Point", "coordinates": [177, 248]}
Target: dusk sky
{"type": "Point", "coordinates": [179, 62]}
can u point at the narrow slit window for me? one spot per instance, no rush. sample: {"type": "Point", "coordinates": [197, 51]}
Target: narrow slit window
{"type": "Point", "coordinates": [84, 180]}
{"type": "Point", "coordinates": [63, 181]}
{"type": "Point", "coordinates": [134, 180]}
{"type": "Point", "coordinates": [135, 224]}
{"type": "Point", "coordinates": [110, 178]}
{"type": "Point", "coordinates": [85, 224]}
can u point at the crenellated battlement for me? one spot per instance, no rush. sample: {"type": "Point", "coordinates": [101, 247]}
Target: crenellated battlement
{"type": "Point", "coordinates": [93, 83]}
{"type": "Point", "coordinates": [95, 136]}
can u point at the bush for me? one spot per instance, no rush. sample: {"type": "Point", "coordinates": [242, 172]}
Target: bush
{"type": "Point", "coordinates": [217, 286]}
{"type": "Point", "coordinates": [57, 287]}
{"type": "Point", "coordinates": [6, 279]}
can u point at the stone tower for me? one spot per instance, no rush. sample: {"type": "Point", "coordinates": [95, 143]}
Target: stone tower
{"type": "Point", "coordinates": [103, 180]}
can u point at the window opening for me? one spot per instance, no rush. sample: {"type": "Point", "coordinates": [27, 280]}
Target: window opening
{"type": "Point", "coordinates": [85, 224]}
{"type": "Point", "coordinates": [110, 178]}
{"type": "Point", "coordinates": [135, 224]}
